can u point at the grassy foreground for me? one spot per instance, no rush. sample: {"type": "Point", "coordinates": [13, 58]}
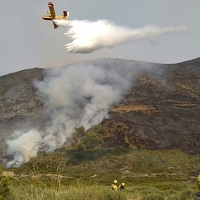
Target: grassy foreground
{"type": "Point", "coordinates": [176, 191]}
{"type": "Point", "coordinates": [85, 170]}
{"type": "Point", "coordinates": [148, 175]}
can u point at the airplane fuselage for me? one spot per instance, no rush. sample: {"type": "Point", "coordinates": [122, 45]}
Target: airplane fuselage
{"type": "Point", "coordinates": [46, 17]}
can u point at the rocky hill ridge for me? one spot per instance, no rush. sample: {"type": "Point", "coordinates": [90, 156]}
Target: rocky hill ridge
{"type": "Point", "coordinates": [160, 111]}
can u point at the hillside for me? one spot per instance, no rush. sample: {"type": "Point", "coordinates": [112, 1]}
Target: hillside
{"type": "Point", "coordinates": [160, 112]}
{"type": "Point", "coordinates": [160, 109]}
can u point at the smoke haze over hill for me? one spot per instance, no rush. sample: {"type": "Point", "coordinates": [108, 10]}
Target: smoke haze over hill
{"type": "Point", "coordinates": [74, 96]}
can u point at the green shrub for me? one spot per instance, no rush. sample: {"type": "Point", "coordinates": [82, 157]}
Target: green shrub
{"type": "Point", "coordinates": [79, 132]}
{"type": "Point", "coordinates": [81, 147]}
{"type": "Point", "coordinates": [188, 193]}
{"type": "Point", "coordinates": [114, 195]}
{"type": "Point", "coordinates": [183, 195]}
{"type": "Point", "coordinates": [102, 131]}
{"type": "Point", "coordinates": [77, 135]}
{"type": "Point", "coordinates": [91, 141]}
{"type": "Point", "coordinates": [4, 185]}
{"type": "Point", "coordinates": [153, 196]}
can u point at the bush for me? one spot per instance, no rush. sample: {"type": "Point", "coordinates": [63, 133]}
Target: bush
{"type": "Point", "coordinates": [153, 196]}
{"type": "Point", "coordinates": [113, 195]}
{"type": "Point", "coordinates": [186, 194]}
{"type": "Point", "coordinates": [81, 147]}
{"type": "Point", "coordinates": [100, 130]}
{"type": "Point", "coordinates": [4, 185]}
{"type": "Point", "coordinates": [91, 141]}
{"type": "Point", "coordinates": [183, 195]}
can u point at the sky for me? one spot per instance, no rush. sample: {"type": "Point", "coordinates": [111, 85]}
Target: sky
{"type": "Point", "coordinates": [27, 41]}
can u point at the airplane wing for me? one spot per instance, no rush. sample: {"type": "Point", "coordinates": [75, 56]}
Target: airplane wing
{"type": "Point", "coordinates": [51, 10]}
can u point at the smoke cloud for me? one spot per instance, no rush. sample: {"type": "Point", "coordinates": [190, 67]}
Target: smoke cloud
{"type": "Point", "coordinates": [23, 146]}
{"type": "Point", "coordinates": [75, 96]}
{"type": "Point", "coordinates": [88, 36]}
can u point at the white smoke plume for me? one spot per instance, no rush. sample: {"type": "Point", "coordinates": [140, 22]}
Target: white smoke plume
{"type": "Point", "coordinates": [23, 146]}
{"type": "Point", "coordinates": [88, 36]}
{"type": "Point", "coordinates": [75, 96]}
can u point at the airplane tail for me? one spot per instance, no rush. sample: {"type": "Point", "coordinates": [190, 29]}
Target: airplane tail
{"type": "Point", "coordinates": [65, 14]}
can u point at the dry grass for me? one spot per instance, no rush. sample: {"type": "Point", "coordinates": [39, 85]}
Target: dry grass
{"type": "Point", "coordinates": [132, 108]}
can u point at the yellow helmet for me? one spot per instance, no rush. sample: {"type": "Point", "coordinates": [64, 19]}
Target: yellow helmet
{"type": "Point", "coordinates": [115, 181]}
{"type": "Point", "coordinates": [123, 184]}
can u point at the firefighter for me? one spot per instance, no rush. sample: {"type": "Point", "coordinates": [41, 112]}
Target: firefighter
{"type": "Point", "coordinates": [114, 185]}
{"type": "Point", "coordinates": [198, 181]}
{"type": "Point", "coordinates": [122, 187]}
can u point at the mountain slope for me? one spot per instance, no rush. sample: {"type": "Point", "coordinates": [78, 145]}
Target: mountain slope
{"type": "Point", "coordinates": [161, 109]}
{"type": "Point", "coordinates": [162, 113]}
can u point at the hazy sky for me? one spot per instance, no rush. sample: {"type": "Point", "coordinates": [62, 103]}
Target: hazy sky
{"type": "Point", "coordinates": [27, 41]}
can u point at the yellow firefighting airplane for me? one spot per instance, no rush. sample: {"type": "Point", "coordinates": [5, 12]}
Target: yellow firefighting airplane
{"type": "Point", "coordinates": [51, 15]}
